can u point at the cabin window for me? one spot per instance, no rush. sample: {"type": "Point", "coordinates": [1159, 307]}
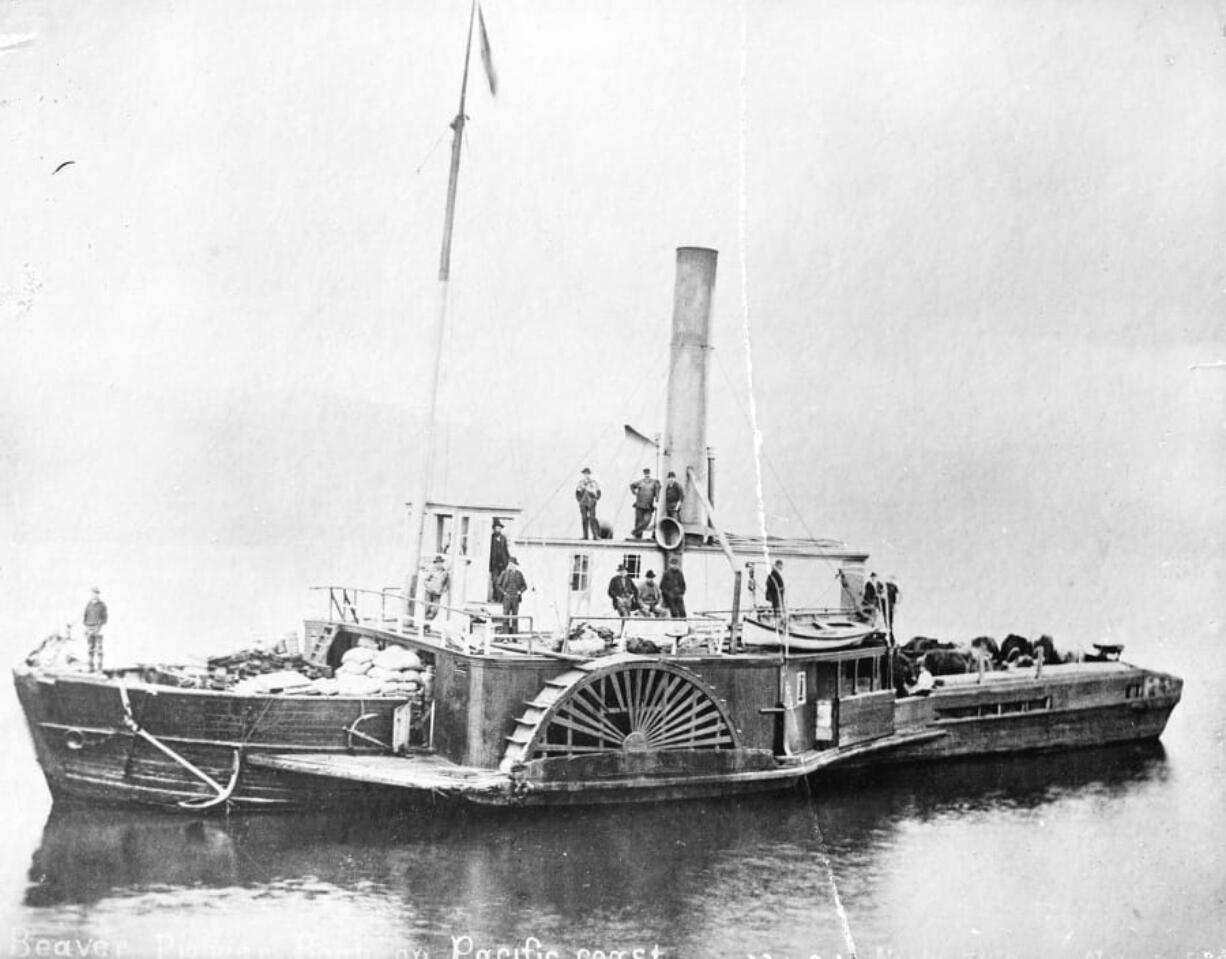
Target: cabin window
{"type": "Point", "coordinates": [634, 564]}
{"type": "Point", "coordinates": [442, 533]}
{"type": "Point", "coordinates": [464, 521]}
{"type": "Point", "coordinates": [580, 572]}
{"type": "Point", "coordinates": [858, 676]}
{"type": "Point", "coordinates": [801, 691]}
{"type": "Point", "coordinates": [847, 678]}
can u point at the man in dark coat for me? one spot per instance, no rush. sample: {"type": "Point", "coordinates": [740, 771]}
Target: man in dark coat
{"type": "Point", "coordinates": [871, 602]}
{"type": "Point", "coordinates": [646, 491]}
{"type": "Point", "coordinates": [95, 619]}
{"type": "Point", "coordinates": [674, 496]}
{"type": "Point", "coordinates": [888, 603]}
{"type": "Point", "coordinates": [672, 588]}
{"type": "Point", "coordinates": [512, 586]}
{"type": "Point", "coordinates": [623, 592]}
{"type": "Point", "coordinates": [775, 587]}
{"type": "Point", "coordinates": [500, 553]}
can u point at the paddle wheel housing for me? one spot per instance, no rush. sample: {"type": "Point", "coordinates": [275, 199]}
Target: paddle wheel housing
{"type": "Point", "coordinates": [621, 716]}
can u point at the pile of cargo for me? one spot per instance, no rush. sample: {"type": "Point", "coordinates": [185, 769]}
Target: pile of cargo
{"type": "Point", "coordinates": [364, 671]}
{"type": "Point", "coordinates": [262, 662]}
{"type": "Point", "coordinates": [394, 671]}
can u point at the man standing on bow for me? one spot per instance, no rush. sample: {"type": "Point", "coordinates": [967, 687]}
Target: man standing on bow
{"type": "Point", "coordinates": [95, 619]}
{"type": "Point", "coordinates": [587, 493]}
{"type": "Point", "coordinates": [646, 491]}
{"type": "Point", "coordinates": [674, 496]}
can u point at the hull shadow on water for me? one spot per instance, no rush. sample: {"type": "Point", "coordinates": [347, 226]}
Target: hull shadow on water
{"type": "Point", "coordinates": [569, 859]}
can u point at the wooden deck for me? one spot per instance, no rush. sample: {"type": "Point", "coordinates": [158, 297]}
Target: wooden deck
{"type": "Point", "coordinates": [424, 772]}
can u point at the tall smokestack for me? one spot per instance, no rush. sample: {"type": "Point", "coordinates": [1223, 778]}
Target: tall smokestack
{"type": "Point", "coordinates": [685, 433]}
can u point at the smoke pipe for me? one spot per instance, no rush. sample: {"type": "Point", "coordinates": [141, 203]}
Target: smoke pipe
{"type": "Point", "coordinates": [685, 432]}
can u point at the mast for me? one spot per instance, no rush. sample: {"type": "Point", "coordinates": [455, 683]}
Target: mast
{"type": "Point", "coordinates": [418, 505]}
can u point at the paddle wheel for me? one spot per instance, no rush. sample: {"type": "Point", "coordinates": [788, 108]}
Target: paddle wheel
{"type": "Point", "coordinates": [618, 706]}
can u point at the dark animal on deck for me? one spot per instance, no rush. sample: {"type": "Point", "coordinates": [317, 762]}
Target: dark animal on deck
{"type": "Point", "coordinates": [948, 662]}
{"type": "Point", "coordinates": [1045, 648]}
{"type": "Point", "coordinates": [988, 645]}
{"type": "Point", "coordinates": [915, 647]}
{"type": "Point", "coordinates": [904, 675]}
{"type": "Point", "coordinates": [1015, 646]}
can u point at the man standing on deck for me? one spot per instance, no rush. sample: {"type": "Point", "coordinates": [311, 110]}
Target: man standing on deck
{"type": "Point", "coordinates": [870, 604]}
{"type": "Point", "coordinates": [95, 619]}
{"type": "Point", "coordinates": [437, 581]}
{"type": "Point", "coordinates": [587, 493]}
{"type": "Point", "coordinates": [775, 588]}
{"type": "Point", "coordinates": [646, 491]}
{"type": "Point", "coordinates": [500, 553]}
{"type": "Point", "coordinates": [888, 603]}
{"type": "Point", "coordinates": [672, 588]}
{"type": "Point", "coordinates": [674, 496]}
{"type": "Point", "coordinates": [512, 585]}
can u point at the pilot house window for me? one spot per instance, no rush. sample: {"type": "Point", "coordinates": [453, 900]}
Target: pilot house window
{"type": "Point", "coordinates": [858, 676]}
{"type": "Point", "coordinates": [580, 572]}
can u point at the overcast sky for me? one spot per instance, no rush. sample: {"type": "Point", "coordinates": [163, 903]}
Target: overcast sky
{"type": "Point", "coordinates": [982, 242]}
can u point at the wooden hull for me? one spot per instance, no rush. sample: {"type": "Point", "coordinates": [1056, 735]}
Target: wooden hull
{"type": "Point", "coordinates": [87, 752]}
{"type": "Point", "coordinates": [297, 752]}
{"type": "Point", "coordinates": [1063, 707]}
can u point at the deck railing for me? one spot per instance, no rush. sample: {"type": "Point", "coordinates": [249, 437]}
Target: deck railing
{"type": "Point", "coordinates": [388, 609]}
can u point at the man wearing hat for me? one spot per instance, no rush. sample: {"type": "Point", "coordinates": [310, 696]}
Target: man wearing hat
{"type": "Point", "coordinates": [674, 496]}
{"type": "Point", "coordinates": [95, 619]}
{"type": "Point", "coordinates": [649, 594]}
{"type": "Point", "coordinates": [587, 493]}
{"type": "Point", "coordinates": [512, 586]}
{"type": "Point", "coordinates": [623, 592]}
{"type": "Point", "coordinates": [646, 491]}
{"type": "Point", "coordinates": [437, 581]}
{"type": "Point", "coordinates": [500, 553]}
{"type": "Point", "coordinates": [672, 588]}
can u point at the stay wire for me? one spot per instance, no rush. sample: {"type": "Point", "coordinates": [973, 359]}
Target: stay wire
{"type": "Point", "coordinates": [533, 513]}
{"type": "Point", "coordinates": [765, 456]}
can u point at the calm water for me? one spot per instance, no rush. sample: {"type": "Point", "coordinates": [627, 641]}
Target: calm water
{"type": "Point", "coordinates": [1111, 851]}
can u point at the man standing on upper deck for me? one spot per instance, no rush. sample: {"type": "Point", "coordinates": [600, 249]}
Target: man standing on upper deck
{"type": "Point", "coordinates": [646, 491]}
{"type": "Point", "coordinates": [500, 553]}
{"type": "Point", "coordinates": [775, 588]}
{"type": "Point", "coordinates": [587, 493]}
{"type": "Point", "coordinates": [95, 619]}
{"type": "Point", "coordinates": [674, 496]}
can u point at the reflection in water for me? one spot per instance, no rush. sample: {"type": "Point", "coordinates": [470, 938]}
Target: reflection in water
{"type": "Point", "coordinates": [700, 878]}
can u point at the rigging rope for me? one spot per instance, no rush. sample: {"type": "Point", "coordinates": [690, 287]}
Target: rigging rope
{"type": "Point", "coordinates": [649, 375]}
{"type": "Point", "coordinates": [743, 241]}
